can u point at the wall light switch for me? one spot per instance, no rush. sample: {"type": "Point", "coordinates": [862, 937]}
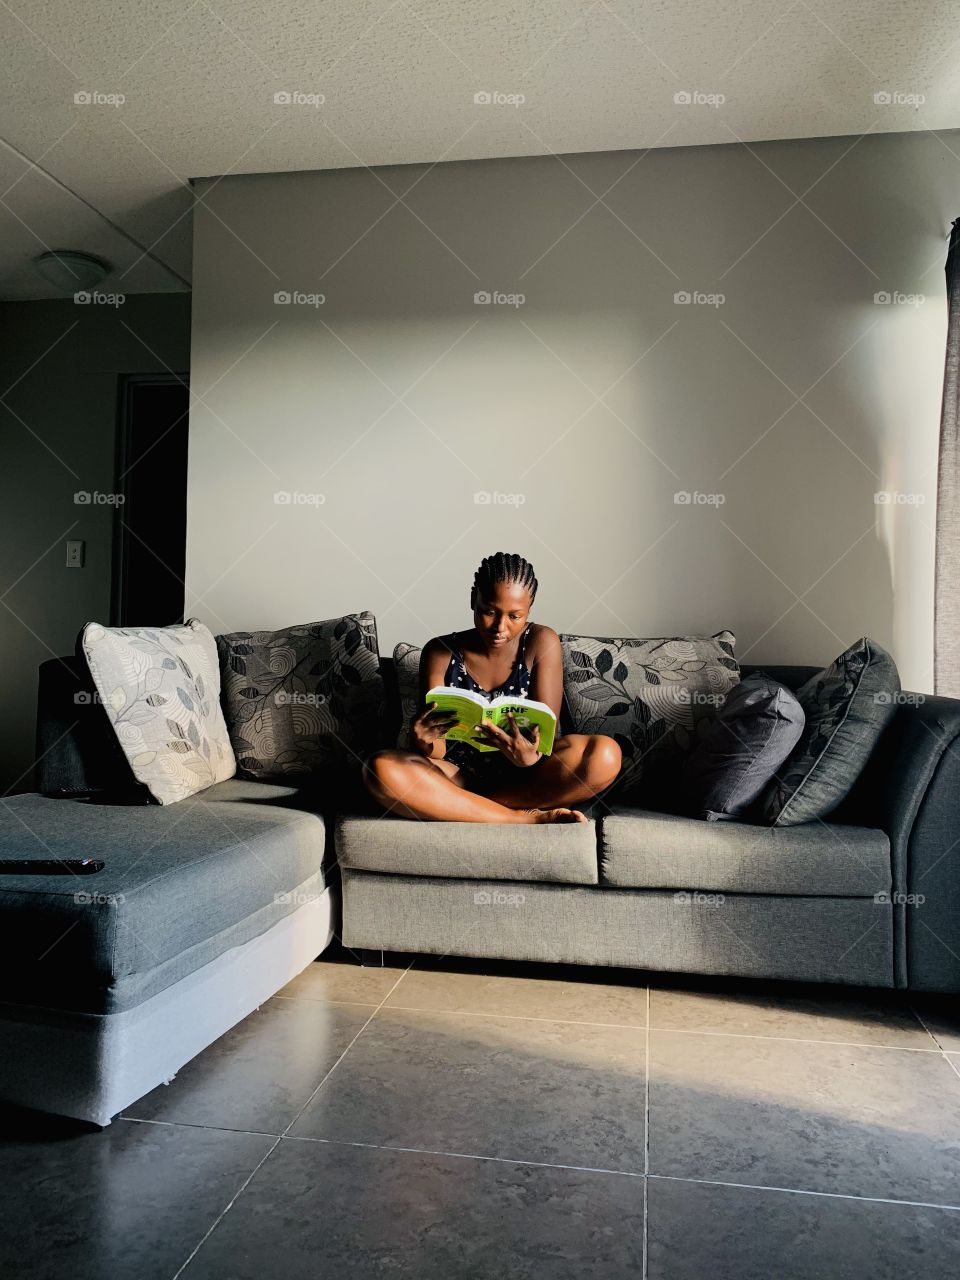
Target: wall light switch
{"type": "Point", "coordinates": [75, 551]}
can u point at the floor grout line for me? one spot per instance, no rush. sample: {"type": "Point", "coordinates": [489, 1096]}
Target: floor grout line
{"type": "Point", "coordinates": [614, 1026]}
{"type": "Point", "coordinates": [336, 1064]}
{"type": "Point", "coordinates": [192, 1124]}
{"type": "Point", "coordinates": [213, 1226]}
{"type": "Point", "coordinates": [803, 1191]}
{"type": "Point", "coordinates": [352, 1004]}
{"type": "Point", "coordinates": [233, 1199]}
{"type": "Point", "coordinates": [464, 1155]}
{"type": "Point", "coordinates": [513, 1017]}
{"type": "Point", "coordinates": [548, 1164]}
{"type": "Point", "coordinates": [944, 1053]}
{"type": "Point", "coordinates": [747, 1035]}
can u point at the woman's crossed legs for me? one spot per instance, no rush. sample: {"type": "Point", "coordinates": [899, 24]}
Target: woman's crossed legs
{"type": "Point", "coordinates": [412, 786]}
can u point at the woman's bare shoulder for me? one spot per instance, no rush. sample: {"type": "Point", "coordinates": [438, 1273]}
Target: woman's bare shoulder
{"type": "Point", "coordinates": [542, 639]}
{"type": "Point", "coordinates": [439, 644]}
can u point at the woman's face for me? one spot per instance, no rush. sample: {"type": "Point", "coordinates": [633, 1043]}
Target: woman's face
{"type": "Point", "coordinates": [502, 617]}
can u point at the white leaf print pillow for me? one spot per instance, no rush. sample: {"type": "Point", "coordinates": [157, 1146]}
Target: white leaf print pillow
{"type": "Point", "coordinates": [160, 689]}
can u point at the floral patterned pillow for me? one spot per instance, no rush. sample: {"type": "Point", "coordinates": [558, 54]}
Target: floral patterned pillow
{"type": "Point", "coordinates": [160, 688]}
{"type": "Point", "coordinates": [654, 697]}
{"type": "Point", "coordinates": [406, 663]}
{"type": "Point", "coordinates": [302, 699]}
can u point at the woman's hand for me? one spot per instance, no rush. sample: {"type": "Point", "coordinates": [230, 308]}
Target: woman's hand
{"type": "Point", "coordinates": [429, 726]}
{"type": "Point", "coordinates": [519, 750]}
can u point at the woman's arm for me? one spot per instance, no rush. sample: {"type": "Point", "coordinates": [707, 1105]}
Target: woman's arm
{"type": "Point", "coordinates": [544, 657]}
{"type": "Point", "coordinates": [433, 668]}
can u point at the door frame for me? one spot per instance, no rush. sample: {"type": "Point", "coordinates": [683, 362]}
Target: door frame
{"type": "Point", "coordinates": [126, 382]}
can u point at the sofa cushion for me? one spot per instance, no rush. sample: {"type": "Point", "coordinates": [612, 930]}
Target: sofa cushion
{"type": "Point", "coordinates": [755, 730]}
{"type": "Point", "coordinates": [654, 697]}
{"type": "Point", "coordinates": [160, 688]}
{"type": "Point", "coordinates": [77, 749]}
{"type": "Point", "coordinates": [565, 853]}
{"type": "Point", "coordinates": [645, 850]}
{"type": "Point", "coordinates": [181, 885]}
{"type": "Point", "coordinates": [300, 698]}
{"type": "Point", "coordinates": [847, 707]}
{"type": "Point", "coordinates": [406, 664]}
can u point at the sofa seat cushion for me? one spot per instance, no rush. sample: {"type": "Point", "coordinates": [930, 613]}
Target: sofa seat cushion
{"type": "Point", "coordinates": [562, 853]}
{"type": "Point", "coordinates": [182, 884]}
{"type": "Point", "coordinates": [644, 850]}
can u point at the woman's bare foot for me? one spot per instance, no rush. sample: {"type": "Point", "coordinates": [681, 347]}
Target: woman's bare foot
{"type": "Point", "coordinates": [554, 815]}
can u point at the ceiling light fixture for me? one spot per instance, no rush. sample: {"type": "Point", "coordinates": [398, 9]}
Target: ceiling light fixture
{"type": "Point", "coordinates": [71, 269]}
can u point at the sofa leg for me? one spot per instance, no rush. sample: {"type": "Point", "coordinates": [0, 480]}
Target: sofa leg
{"type": "Point", "coordinates": [371, 959]}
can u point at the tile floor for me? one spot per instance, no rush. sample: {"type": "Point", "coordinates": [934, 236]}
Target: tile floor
{"type": "Point", "coordinates": [443, 1118]}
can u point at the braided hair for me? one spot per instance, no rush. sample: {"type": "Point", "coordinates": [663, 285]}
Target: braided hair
{"type": "Point", "coordinates": [503, 567]}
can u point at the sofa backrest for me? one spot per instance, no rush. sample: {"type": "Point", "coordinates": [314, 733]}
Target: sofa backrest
{"type": "Point", "coordinates": [792, 677]}
{"type": "Point", "coordinates": [77, 749]}
{"type": "Point", "coordinates": [78, 753]}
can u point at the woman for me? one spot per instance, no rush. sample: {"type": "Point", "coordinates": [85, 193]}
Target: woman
{"type": "Point", "coordinates": [502, 653]}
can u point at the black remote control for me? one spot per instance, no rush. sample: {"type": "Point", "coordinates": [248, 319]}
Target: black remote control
{"type": "Point", "coordinates": [49, 866]}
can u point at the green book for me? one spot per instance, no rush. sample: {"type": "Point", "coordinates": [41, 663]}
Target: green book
{"type": "Point", "coordinates": [472, 708]}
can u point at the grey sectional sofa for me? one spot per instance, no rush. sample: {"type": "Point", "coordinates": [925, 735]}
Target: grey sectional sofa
{"type": "Point", "coordinates": [207, 907]}
{"type": "Point", "coordinates": [870, 897]}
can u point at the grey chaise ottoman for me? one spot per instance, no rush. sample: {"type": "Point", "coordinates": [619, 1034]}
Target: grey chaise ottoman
{"type": "Point", "coordinates": [111, 982]}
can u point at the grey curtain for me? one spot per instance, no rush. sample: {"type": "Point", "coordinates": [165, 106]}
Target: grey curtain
{"type": "Point", "coordinates": [946, 643]}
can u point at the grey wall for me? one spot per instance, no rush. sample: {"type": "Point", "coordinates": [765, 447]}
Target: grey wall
{"type": "Point", "coordinates": [596, 401]}
{"type": "Point", "coordinates": [59, 367]}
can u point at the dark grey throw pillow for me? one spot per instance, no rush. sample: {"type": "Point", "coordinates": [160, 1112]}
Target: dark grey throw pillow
{"type": "Point", "coordinates": [303, 699]}
{"type": "Point", "coordinates": [847, 707]}
{"type": "Point", "coordinates": [755, 730]}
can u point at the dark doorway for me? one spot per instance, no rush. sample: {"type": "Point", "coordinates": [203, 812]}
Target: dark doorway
{"type": "Point", "coordinates": [151, 522]}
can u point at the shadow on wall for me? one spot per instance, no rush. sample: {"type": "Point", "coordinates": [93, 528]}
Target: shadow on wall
{"type": "Point", "coordinates": [706, 335]}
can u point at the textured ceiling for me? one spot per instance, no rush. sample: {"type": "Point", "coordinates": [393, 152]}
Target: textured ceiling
{"type": "Point", "coordinates": [398, 79]}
